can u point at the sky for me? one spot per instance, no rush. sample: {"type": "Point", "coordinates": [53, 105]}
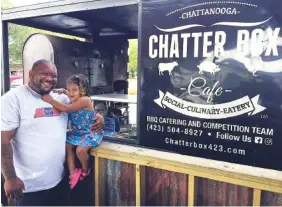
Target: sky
{"type": "Point", "coordinates": [28, 2]}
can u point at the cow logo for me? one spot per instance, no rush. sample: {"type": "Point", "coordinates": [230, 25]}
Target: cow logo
{"type": "Point", "coordinates": [167, 67]}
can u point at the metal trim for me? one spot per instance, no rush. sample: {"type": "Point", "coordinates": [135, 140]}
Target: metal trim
{"type": "Point", "coordinates": [139, 74]}
{"type": "Point", "coordinates": [58, 7]}
{"type": "Point", "coordinates": [5, 68]}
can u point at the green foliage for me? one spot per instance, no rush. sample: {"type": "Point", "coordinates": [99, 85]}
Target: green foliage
{"type": "Point", "coordinates": [133, 57]}
{"type": "Point", "coordinates": [5, 4]}
{"type": "Point", "coordinates": [18, 35]}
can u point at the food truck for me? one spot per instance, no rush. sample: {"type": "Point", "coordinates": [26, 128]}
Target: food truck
{"type": "Point", "coordinates": [209, 98]}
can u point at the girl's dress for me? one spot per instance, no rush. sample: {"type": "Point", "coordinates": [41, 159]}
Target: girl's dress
{"type": "Point", "coordinates": [80, 133]}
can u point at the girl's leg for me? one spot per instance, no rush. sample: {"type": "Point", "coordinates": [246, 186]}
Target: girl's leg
{"type": "Point", "coordinates": [74, 173]}
{"type": "Point", "coordinates": [71, 158]}
{"type": "Point", "coordinates": [82, 154]}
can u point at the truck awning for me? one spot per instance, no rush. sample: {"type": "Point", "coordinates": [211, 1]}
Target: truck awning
{"type": "Point", "coordinates": [79, 17]}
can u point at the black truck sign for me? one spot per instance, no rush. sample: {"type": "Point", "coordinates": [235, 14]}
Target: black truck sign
{"type": "Point", "coordinates": [212, 79]}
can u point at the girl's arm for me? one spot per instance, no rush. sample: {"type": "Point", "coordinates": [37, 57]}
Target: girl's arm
{"type": "Point", "coordinates": [77, 105]}
{"type": "Point", "coordinates": [60, 91]}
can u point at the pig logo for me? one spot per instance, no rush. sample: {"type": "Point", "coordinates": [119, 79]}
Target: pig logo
{"type": "Point", "coordinates": [167, 67]}
{"type": "Point", "coordinates": [208, 66]}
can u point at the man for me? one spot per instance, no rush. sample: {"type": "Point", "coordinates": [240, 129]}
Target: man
{"type": "Point", "coordinates": [33, 138]}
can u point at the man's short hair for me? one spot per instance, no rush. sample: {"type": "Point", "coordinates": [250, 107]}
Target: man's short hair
{"type": "Point", "coordinates": [38, 62]}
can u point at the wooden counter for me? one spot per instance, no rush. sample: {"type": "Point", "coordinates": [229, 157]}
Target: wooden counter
{"type": "Point", "coordinates": [254, 178]}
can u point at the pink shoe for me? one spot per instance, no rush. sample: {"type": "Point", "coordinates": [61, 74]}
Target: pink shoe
{"type": "Point", "coordinates": [83, 175]}
{"type": "Point", "coordinates": [74, 178]}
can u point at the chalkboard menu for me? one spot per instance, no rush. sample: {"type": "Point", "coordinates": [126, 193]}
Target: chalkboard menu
{"type": "Point", "coordinates": [211, 79]}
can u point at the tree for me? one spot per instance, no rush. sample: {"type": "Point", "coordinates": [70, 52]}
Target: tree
{"type": "Point", "coordinates": [5, 4]}
{"type": "Point", "coordinates": [133, 57]}
{"type": "Point", "coordinates": [18, 35]}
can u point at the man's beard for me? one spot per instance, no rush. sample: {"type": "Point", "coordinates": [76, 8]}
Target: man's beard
{"type": "Point", "coordinates": [43, 92]}
{"type": "Point", "coordinates": [39, 88]}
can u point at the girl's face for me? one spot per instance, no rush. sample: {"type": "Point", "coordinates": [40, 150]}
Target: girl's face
{"type": "Point", "coordinates": [73, 92]}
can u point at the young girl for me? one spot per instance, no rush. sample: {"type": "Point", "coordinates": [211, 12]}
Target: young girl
{"type": "Point", "coordinates": [81, 114]}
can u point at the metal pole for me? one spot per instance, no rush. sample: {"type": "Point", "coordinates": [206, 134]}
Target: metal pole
{"type": "Point", "coordinates": [139, 72]}
{"type": "Point", "coordinates": [5, 70]}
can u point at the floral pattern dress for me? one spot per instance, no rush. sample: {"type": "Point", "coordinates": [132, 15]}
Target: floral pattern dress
{"type": "Point", "coordinates": [79, 133]}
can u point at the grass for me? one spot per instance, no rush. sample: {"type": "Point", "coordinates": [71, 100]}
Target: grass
{"type": "Point", "coordinates": [132, 91]}
{"type": "Point", "coordinates": [132, 86]}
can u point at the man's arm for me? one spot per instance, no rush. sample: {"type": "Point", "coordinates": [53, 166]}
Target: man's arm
{"type": "Point", "coordinates": [13, 185]}
{"type": "Point", "coordinates": [10, 122]}
{"type": "Point", "coordinates": [99, 123]}
{"type": "Point", "coordinates": [7, 165]}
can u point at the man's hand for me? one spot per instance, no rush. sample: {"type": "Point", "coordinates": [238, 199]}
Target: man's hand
{"type": "Point", "coordinates": [14, 188]}
{"type": "Point", "coordinates": [99, 125]}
